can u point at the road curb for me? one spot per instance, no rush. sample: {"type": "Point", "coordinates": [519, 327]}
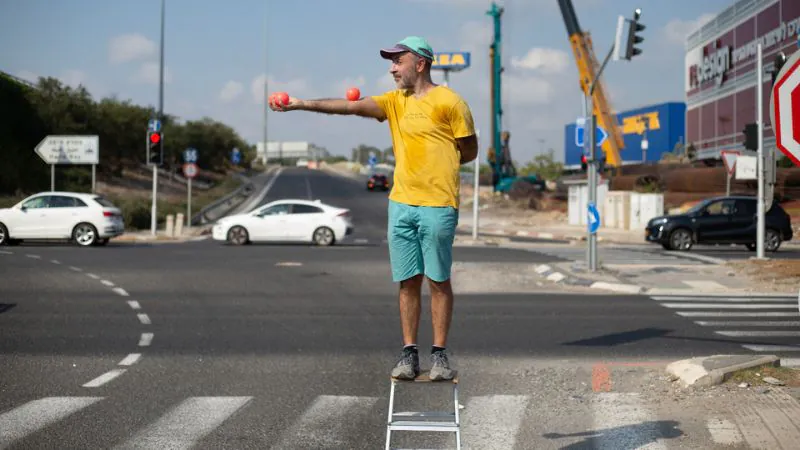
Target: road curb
{"type": "Point", "coordinates": [708, 371]}
{"type": "Point", "coordinates": [542, 235]}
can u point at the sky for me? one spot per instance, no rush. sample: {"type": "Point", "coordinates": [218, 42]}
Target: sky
{"type": "Point", "coordinates": [217, 55]}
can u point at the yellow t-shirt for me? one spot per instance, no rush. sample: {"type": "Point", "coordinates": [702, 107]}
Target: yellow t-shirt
{"type": "Point", "coordinates": [424, 132]}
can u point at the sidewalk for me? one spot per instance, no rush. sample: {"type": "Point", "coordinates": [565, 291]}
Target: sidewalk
{"type": "Point", "coordinates": [198, 233]}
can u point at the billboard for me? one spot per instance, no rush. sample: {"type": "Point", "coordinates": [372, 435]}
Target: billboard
{"type": "Point", "coordinates": [452, 61]}
{"type": "Point", "coordinates": [661, 125]}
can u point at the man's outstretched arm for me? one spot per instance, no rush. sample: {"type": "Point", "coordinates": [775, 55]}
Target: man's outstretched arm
{"type": "Point", "coordinates": [468, 147]}
{"type": "Point", "coordinates": [365, 107]}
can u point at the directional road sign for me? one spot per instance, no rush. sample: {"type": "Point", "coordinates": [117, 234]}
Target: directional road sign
{"type": "Point", "coordinates": [600, 134]}
{"type": "Point", "coordinates": [372, 160]}
{"type": "Point", "coordinates": [190, 170]}
{"type": "Point", "coordinates": [154, 125]}
{"type": "Point", "coordinates": [69, 149]}
{"type": "Point", "coordinates": [593, 218]}
{"type": "Point", "coordinates": [236, 156]}
{"type": "Point", "coordinates": [190, 155]}
{"type": "Point", "coordinates": [784, 109]}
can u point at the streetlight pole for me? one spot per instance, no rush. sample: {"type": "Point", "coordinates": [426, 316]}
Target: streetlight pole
{"type": "Point", "coordinates": [154, 208]}
{"type": "Point", "coordinates": [266, 77]}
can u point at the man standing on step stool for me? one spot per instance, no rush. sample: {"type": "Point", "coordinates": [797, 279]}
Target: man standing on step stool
{"type": "Point", "coordinates": [433, 134]}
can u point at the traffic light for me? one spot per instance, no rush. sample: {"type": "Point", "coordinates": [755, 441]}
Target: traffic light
{"type": "Point", "coordinates": [155, 148]}
{"type": "Point", "coordinates": [751, 136]}
{"type": "Point", "coordinates": [780, 60]}
{"type": "Point", "coordinates": [633, 38]}
{"type": "Point", "coordinates": [584, 163]}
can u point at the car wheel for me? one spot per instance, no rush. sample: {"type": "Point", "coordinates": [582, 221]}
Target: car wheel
{"type": "Point", "coordinates": [238, 235]}
{"type": "Point", "coordinates": [323, 236]}
{"type": "Point", "coordinates": [680, 239]}
{"type": "Point", "coordinates": [101, 242]}
{"type": "Point", "coordinates": [3, 235]}
{"type": "Point", "coordinates": [84, 234]}
{"type": "Point", "coordinates": [751, 247]}
{"type": "Point", "coordinates": [666, 246]}
{"type": "Point", "coordinates": [772, 240]}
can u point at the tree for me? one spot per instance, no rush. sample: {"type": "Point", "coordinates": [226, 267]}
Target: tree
{"type": "Point", "coordinates": [544, 167]}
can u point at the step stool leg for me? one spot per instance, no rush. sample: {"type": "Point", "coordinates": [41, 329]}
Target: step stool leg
{"type": "Point", "coordinates": [389, 419]}
{"type": "Point", "coordinates": [458, 423]}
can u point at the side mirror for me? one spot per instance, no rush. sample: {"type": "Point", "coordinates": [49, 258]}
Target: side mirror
{"type": "Point", "coordinates": [23, 208]}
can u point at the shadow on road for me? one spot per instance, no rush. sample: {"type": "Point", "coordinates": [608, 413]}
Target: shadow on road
{"type": "Point", "coordinates": [626, 337]}
{"type": "Point", "coordinates": [628, 437]}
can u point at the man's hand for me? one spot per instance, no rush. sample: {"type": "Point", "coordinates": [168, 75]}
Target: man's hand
{"type": "Point", "coordinates": [366, 107]}
{"type": "Point", "coordinates": [468, 147]}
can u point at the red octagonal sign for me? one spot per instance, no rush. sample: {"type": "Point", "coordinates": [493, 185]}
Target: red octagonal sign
{"type": "Point", "coordinates": [784, 109]}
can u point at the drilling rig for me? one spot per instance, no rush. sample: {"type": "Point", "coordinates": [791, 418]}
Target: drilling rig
{"type": "Point", "coordinates": [586, 61]}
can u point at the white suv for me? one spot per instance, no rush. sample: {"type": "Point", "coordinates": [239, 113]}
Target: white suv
{"type": "Point", "coordinates": [86, 219]}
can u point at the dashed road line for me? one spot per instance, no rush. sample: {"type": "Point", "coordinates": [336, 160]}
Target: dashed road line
{"type": "Point", "coordinates": [93, 276]}
{"type": "Point", "coordinates": [4, 252]}
{"type": "Point", "coordinates": [107, 283]}
{"type": "Point", "coordinates": [134, 304]}
{"type": "Point", "coordinates": [121, 291]}
{"type": "Point", "coordinates": [55, 261]}
{"type": "Point", "coordinates": [130, 360]}
{"type": "Point", "coordinates": [104, 378]}
{"type": "Point", "coordinates": [144, 319]}
{"type": "Point", "coordinates": [76, 269]}
{"type": "Point", "coordinates": [33, 256]}
{"type": "Point", "coordinates": [146, 339]}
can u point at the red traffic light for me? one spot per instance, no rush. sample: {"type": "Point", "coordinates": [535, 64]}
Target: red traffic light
{"type": "Point", "coordinates": [583, 159]}
{"type": "Point", "coordinates": [155, 138]}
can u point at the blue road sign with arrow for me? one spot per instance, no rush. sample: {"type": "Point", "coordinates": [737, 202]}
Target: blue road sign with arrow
{"type": "Point", "coordinates": [593, 218]}
{"type": "Point", "coordinates": [154, 125]}
{"type": "Point", "coordinates": [580, 124]}
{"type": "Point", "coordinates": [236, 156]}
{"type": "Point", "coordinates": [190, 155]}
{"type": "Point", "coordinates": [372, 160]}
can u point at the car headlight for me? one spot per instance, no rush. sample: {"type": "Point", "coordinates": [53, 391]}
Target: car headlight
{"type": "Point", "coordinates": [660, 221]}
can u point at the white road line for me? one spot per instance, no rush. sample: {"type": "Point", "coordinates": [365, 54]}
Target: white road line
{"type": "Point", "coordinates": [723, 431]}
{"type": "Point", "coordinates": [37, 414]}
{"type": "Point", "coordinates": [134, 304]}
{"type": "Point", "coordinates": [121, 291]}
{"type": "Point", "coordinates": [186, 424]}
{"type": "Point", "coordinates": [105, 378]}
{"type": "Point", "coordinates": [4, 252]}
{"type": "Point", "coordinates": [143, 318]}
{"type": "Point", "coordinates": [55, 261]}
{"type": "Point", "coordinates": [771, 348]}
{"type": "Point", "coordinates": [748, 323]}
{"type": "Point", "coordinates": [130, 360]}
{"type": "Point", "coordinates": [323, 424]}
{"type": "Point", "coordinates": [107, 283]}
{"type": "Point", "coordinates": [736, 314]}
{"type": "Point", "coordinates": [33, 256]}
{"type": "Point", "coordinates": [759, 333]}
{"type": "Point", "coordinates": [360, 241]}
{"type": "Point", "coordinates": [724, 300]}
{"type": "Point", "coordinates": [621, 420]}
{"type": "Point", "coordinates": [146, 339]}
{"type": "Point", "coordinates": [703, 284]}
{"type": "Point", "coordinates": [492, 422]}
{"type": "Point", "coordinates": [76, 269]}
{"type": "Point", "coordinates": [93, 276]}
{"type": "Point", "coordinates": [728, 306]}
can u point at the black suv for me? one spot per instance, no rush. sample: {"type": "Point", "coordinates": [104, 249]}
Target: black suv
{"type": "Point", "coordinates": [720, 220]}
{"type": "Point", "coordinates": [378, 181]}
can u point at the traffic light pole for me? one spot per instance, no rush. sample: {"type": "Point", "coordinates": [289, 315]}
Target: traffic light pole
{"type": "Point", "coordinates": [154, 209]}
{"type": "Point", "coordinates": [760, 228]}
{"type": "Point", "coordinates": [591, 170]}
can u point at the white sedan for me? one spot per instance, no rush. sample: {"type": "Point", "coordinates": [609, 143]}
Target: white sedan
{"type": "Point", "coordinates": [286, 221]}
{"type": "Point", "coordinates": [86, 219]}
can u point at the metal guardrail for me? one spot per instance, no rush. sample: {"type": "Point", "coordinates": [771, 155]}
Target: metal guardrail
{"type": "Point", "coordinates": [223, 206]}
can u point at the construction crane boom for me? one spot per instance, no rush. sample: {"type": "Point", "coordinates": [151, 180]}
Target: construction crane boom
{"type": "Point", "coordinates": [586, 61]}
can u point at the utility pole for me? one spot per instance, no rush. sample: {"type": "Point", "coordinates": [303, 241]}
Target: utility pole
{"type": "Point", "coordinates": [266, 77]}
{"type": "Point", "coordinates": [495, 78]}
{"type": "Point", "coordinates": [760, 228]}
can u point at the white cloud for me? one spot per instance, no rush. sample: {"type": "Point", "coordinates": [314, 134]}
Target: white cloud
{"type": "Point", "coordinates": [548, 60]}
{"type": "Point", "coordinates": [231, 90]}
{"type": "Point", "coordinates": [296, 88]}
{"type": "Point", "coordinates": [130, 47]}
{"type": "Point", "coordinates": [677, 30]}
{"type": "Point", "coordinates": [148, 73]}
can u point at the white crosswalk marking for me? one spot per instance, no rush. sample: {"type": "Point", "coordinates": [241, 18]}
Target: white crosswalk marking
{"type": "Point", "coordinates": [37, 414]}
{"type": "Point", "coordinates": [622, 420]}
{"type": "Point", "coordinates": [322, 424]}
{"type": "Point", "coordinates": [613, 255]}
{"type": "Point", "coordinates": [187, 423]}
{"type": "Point", "coordinates": [492, 422]}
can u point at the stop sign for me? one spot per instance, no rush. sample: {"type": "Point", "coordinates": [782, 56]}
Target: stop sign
{"type": "Point", "coordinates": [784, 109]}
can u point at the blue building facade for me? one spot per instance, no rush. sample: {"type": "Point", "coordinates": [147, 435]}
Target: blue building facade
{"type": "Point", "coordinates": [662, 125]}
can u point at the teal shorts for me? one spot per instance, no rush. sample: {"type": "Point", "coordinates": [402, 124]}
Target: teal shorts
{"type": "Point", "coordinates": [421, 240]}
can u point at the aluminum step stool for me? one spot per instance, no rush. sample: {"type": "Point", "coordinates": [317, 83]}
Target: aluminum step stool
{"type": "Point", "coordinates": [416, 420]}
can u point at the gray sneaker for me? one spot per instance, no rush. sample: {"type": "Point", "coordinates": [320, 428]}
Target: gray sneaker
{"type": "Point", "coordinates": [407, 367]}
{"type": "Point", "coordinates": [440, 367]}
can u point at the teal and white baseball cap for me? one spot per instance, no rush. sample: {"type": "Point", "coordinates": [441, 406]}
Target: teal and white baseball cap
{"type": "Point", "coordinates": [414, 44]}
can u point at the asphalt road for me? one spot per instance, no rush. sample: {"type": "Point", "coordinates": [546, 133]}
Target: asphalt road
{"type": "Point", "coordinates": [289, 346]}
